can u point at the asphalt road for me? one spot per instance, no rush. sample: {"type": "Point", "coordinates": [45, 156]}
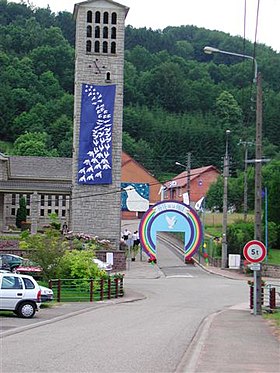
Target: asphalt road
{"type": "Point", "coordinates": [148, 335]}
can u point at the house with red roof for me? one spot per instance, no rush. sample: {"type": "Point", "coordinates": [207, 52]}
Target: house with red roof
{"type": "Point", "coordinates": [199, 180]}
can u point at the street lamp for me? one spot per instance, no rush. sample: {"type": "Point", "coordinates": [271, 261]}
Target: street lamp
{"type": "Point", "coordinates": [188, 173]}
{"type": "Point", "coordinates": [258, 157]}
{"type": "Point", "coordinates": [225, 208]}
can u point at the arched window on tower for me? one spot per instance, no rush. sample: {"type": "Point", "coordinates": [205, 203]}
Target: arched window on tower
{"type": "Point", "coordinates": [105, 47]}
{"type": "Point", "coordinates": [105, 17]}
{"type": "Point", "coordinates": [97, 46]}
{"type": "Point", "coordinates": [89, 16]}
{"type": "Point", "coordinates": [97, 32]}
{"type": "Point", "coordinates": [89, 31]}
{"type": "Point", "coordinates": [108, 76]}
{"type": "Point", "coordinates": [113, 47]}
{"type": "Point", "coordinates": [105, 32]}
{"type": "Point", "coordinates": [113, 33]}
{"type": "Point", "coordinates": [97, 17]}
{"type": "Point", "coordinates": [114, 18]}
{"type": "Point", "coordinates": [88, 46]}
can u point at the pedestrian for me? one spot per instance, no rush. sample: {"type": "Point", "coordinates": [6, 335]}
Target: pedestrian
{"type": "Point", "coordinates": [135, 239]}
{"type": "Point", "coordinates": [126, 234]}
{"type": "Point", "coordinates": [64, 228]}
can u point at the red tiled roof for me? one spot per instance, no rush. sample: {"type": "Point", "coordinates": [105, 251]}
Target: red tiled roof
{"type": "Point", "coordinates": [181, 179]}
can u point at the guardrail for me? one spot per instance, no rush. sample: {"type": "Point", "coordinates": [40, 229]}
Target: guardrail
{"type": "Point", "coordinates": [270, 296]}
{"type": "Point", "coordinates": [87, 290]}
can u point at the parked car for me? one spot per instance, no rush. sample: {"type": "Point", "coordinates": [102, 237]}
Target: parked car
{"type": "Point", "coordinates": [103, 265]}
{"type": "Point", "coordinates": [46, 294]}
{"type": "Point", "coordinates": [10, 261]}
{"type": "Point", "coordinates": [20, 294]}
{"type": "Point", "coordinates": [29, 268]}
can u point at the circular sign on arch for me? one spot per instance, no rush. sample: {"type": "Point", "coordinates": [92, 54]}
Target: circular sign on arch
{"type": "Point", "coordinates": [170, 216]}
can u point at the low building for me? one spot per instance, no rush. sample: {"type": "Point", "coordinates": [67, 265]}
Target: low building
{"type": "Point", "coordinates": [199, 181]}
{"type": "Point", "coordinates": [46, 184]}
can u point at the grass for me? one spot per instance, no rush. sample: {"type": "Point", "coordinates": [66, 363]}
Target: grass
{"type": "Point", "coordinates": [273, 257]}
{"type": "Point", "coordinates": [274, 318]}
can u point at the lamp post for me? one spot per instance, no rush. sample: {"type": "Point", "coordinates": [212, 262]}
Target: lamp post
{"type": "Point", "coordinates": [258, 157]}
{"type": "Point", "coordinates": [188, 172]}
{"type": "Point", "coordinates": [225, 207]}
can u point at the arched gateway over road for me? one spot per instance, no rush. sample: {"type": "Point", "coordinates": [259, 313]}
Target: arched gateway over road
{"type": "Point", "coordinates": [171, 216]}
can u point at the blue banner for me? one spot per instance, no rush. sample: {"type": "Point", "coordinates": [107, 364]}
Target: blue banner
{"type": "Point", "coordinates": [96, 128]}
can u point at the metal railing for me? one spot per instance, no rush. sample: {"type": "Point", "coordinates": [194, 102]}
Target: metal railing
{"type": "Point", "coordinates": [87, 290]}
{"type": "Point", "coordinates": [270, 296]}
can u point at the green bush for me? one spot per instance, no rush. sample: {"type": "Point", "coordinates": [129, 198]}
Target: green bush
{"type": "Point", "coordinates": [21, 212]}
{"type": "Point", "coordinates": [77, 264]}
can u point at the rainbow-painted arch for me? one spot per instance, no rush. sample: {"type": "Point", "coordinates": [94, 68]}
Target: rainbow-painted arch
{"type": "Point", "coordinates": [171, 216]}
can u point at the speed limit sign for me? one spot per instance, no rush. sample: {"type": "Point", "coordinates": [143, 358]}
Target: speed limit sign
{"type": "Point", "coordinates": [254, 251]}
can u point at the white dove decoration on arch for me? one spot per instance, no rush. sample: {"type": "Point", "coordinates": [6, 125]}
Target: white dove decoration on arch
{"type": "Point", "coordinates": [96, 127]}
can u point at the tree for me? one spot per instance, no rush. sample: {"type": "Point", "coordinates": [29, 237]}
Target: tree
{"type": "Point", "coordinates": [33, 144]}
{"type": "Point", "coordinates": [21, 212]}
{"type": "Point", "coordinates": [46, 250]}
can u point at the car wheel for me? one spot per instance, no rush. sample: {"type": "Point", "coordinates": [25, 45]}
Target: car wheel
{"type": "Point", "coordinates": [26, 310]}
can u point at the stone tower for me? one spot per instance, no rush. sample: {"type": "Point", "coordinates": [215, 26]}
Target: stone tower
{"type": "Point", "coordinates": [98, 112]}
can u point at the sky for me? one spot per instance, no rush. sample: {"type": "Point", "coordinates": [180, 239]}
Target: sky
{"type": "Point", "coordinates": [220, 15]}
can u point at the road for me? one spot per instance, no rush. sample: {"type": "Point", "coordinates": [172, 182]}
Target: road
{"type": "Point", "coordinates": [149, 335]}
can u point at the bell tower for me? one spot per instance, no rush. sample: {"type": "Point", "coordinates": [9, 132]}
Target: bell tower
{"type": "Point", "coordinates": [98, 112]}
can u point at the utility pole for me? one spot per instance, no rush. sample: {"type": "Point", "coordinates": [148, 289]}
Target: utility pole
{"type": "Point", "coordinates": [245, 203]}
{"type": "Point", "coordinates": [189, 176]}
{"type": "Point", "coordinates": [225, 208]}
{"type": "Point", "coordinates": [258, 187]}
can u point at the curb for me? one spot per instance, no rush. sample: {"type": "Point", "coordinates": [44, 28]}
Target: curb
{"type": "Point", "coordinates": [86, 309]}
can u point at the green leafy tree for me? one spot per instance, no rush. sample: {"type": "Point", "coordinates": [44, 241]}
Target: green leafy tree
{"type": "Point", "coordinates": [33, 144]}
{"type": "Point", "coordinates": [78, 264]}
{"type": "Point", "coordinates": [21, 212]}
{"type": "Point", "coordinates": [46, 250]}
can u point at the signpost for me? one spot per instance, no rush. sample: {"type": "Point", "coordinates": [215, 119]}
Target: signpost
{"type": "Point", "coordinates": [255, 252]}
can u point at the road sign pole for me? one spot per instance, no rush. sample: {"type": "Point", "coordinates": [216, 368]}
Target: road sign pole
{"type": "Point", "coordinates": [255, 292]}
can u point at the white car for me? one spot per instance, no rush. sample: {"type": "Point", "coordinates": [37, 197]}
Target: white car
{"type": "Point", "coordinates": [20, 294]}
{"type": "Point", "coordinates": [46, 294]}
{"type": "Point", "coordinates": [102, 265]}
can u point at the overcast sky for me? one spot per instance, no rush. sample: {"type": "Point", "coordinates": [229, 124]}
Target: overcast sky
{"type": "Point", "coordinates": [221, 15]}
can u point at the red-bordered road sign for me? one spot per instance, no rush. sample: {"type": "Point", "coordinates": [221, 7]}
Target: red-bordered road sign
{"type": "Point", "coordinates": [254, 251]}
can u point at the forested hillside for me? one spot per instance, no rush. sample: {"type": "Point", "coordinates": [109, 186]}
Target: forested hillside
{"type": "Point", "coordinates": [177, 99]}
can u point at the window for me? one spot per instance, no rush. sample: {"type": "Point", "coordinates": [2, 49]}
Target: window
{"type": "Point", "coordinates": [89, 16]}
{"type": "Point", "coordinates": [89, 31]}
{"type": "Point", "coordinates": [63, 201]}
{"type": "Point", "coordinates": [56, 211]}
{"type": "Point", "coordinates": [63, 213]}
{"type": "Point", "coordinates": [114, 18]}
{"type": "Point", "coordinates": [105, 47]}
{"type": "Point", "coordinates": [49, 211]}
{"type": "Point", "coordinates": [11, 282]}
{"type": "Point", "coordinates": [113, 33]}
{"type": "Point", "coordinates": [57, 200]}
{"type": "Point", "coordinates": [97, 32]}
{"type": "Point", "coordinates": [14, 197]}
{"type": "Point", "coordinates": [113, 47]}
{"type": "Point", "coordinates": [106, 18]}
{"type": "Point", "coordinates": [105, 32]}
{"type": "Point", "coordinates": [108, 75]}
{"type": "Point", "coordinates": [28, 199]}
{"type": "Point", "coordinates": [42, 212]}
{"type": "Point", "coordinates": [97, 47]}
{"type": "Point", "coordinates": [28, 212]}
{"type": "Point", "coordinates": [49, 200]}
{"type": "Point", "coordinates": [13, 211]}
{"type": "Point", "coordinates": [88, 47]}
{"type": "Point", "coordinates": [28, 284]}
{"type": "Point", "coordinates": [97, 17]}
{"type": "Point", "coordinates": [42, 200]}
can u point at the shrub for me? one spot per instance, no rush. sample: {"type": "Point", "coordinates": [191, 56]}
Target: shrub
{"type": "Point", "coordinates": [21, 212]}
